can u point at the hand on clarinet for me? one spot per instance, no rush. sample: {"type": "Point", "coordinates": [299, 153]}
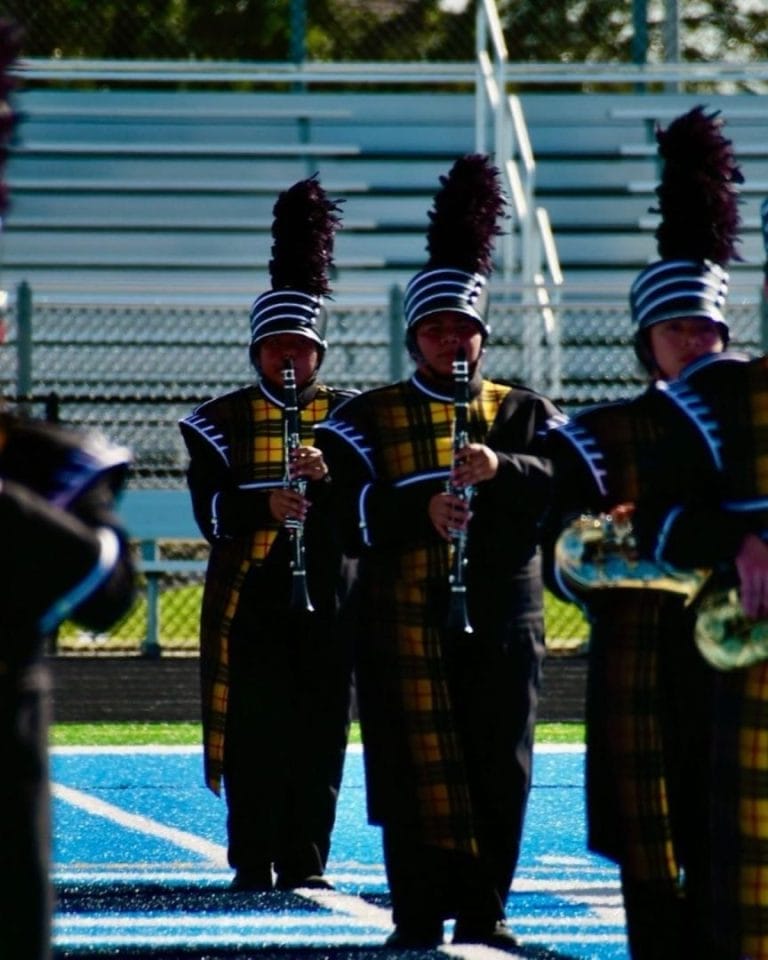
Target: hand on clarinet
{"type": "Point", "coordinates": [286, 504]}
{"type": "Point", "coordinates": [449, 514]}
{"type": "Point", "coordinates": [475, 463]}
{"type": "Point", "coordinates": [307, 462]}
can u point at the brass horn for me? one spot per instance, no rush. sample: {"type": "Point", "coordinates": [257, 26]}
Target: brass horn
{"type": "Point", "coordinates": [599, 551]}
{"type": "Point", "coordinates": [725, 636]}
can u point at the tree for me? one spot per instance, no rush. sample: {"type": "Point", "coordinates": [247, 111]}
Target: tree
{"type": "Point", "coordinates": [565, 31]}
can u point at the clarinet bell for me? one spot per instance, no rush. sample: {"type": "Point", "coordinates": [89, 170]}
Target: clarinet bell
{"type": "Point", "coordinates": [299, 593]}
{"type": "Point", "coordinates": [458, 618]}
{"type": "Point", "coordinates": [299, 590]}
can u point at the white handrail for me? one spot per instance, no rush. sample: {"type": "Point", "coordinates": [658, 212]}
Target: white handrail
{"type": "Point", "coordinates": [512, 147]}
{"type": "Point", "coordinates": [514, 157]}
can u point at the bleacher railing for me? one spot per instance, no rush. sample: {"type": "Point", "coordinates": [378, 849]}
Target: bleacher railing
{"type": "Point", "coordinates": [537, 264]}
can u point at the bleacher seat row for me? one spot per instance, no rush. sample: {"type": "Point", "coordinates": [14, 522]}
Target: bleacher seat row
{"type": "Point", "coordinates": [163, 191]}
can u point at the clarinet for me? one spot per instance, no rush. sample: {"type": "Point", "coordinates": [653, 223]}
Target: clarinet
{"type": "Point", "coordinates": [291, 441]}
{"type": "Point", "coordinates": [458, 620]}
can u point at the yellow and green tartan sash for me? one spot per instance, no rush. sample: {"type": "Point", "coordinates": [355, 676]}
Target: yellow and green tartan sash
{"type": "Point", "coordinates": [255, 433]}
{"type": "Point", "coordinates": [740, 813]}
{"type": "Point", "coordinates": [414, 438]}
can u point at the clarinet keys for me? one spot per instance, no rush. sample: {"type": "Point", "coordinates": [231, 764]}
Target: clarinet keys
{"type": "Point", "coordinates": [292, 441]}
{"type": "Point", "coordinates": [458, 618]}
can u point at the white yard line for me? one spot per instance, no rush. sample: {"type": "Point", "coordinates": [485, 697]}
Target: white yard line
{"type": "Point", "coordinates": [209, 921]}
{"type": "Point", "coordinates": [216, 853]}
{"type": "Point", "coordinates": [355, 909]}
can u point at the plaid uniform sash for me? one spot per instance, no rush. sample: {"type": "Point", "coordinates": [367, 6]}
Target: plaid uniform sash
{"type": "Point", "coordinates": [736, 395]}
{"type": "Point", "coordinates": [741, 818]}
{"type": "Point", "coordinates": [415, 439]}
{"type": "Point", "coordinates": [631, 822]}
{"type": "Point", "coordinates": [725, 397]}
{"type": "Point", "coordinates": [744, 827]}
{"type": "Point", "coordinates": [615, 446]}
{"type": "Point", "coordinates": [253, 426]}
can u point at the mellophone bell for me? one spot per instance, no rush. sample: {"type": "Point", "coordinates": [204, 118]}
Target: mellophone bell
{"type": "Point", "coordinates": [598, 551]}
{"type": "Point", "coordinates": [715, 427]}
{"type": "Point", "coordinates": [720, 464]}
{"type": "Point", "coordinates": [602, 455]}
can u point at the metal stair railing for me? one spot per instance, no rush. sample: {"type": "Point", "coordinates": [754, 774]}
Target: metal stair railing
{"type": "Point", "coordinates": [537, 261]}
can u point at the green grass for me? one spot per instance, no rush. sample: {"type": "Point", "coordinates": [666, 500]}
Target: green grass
{"type": "Point", "coordinates": [185, 734]}
{"type": "Point", "coordinates": [560, 733]}
{"type": "Point", "coordinates": [119, 734]}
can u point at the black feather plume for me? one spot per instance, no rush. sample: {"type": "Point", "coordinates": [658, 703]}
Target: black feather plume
{"type": "Point", "coordinates": [464, 219]}
{"type": "Point", "coordinates": [304, 228]}
{"type": "Point", "coordinates": [698, 193]}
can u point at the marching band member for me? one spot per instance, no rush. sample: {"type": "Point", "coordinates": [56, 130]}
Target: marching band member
{"type": "Point", "coordinates": [447, 715]}
{"type": "Point", "coordinates": [65, 557]}
{"type": "Point", "coordinates": [710, 510]}
{"type": "Point", "coordinates": [649, 692]}
{"type": "Point", "coordinates": [274, 666]}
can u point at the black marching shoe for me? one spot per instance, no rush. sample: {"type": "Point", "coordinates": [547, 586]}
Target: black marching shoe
{"type": "Point", "coordinates": [497, 934]}
{"type": "Point", "coordinates": [313, 882]}
{"type": "Point", "coordinates": [252, 881]}
{"type": "Point", "coordinates": [415, 936]}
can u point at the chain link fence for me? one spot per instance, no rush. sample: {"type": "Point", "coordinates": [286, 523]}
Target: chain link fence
{"type": "Point", "coordinates": [558, 31]}
{"type": "Point", "coordinates": [133, 370]}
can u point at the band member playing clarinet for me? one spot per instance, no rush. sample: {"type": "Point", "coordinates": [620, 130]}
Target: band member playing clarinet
{"type": "Point", "coordinates": [447, 712]}
{"type": "Point", "coordinates": [274, 666]}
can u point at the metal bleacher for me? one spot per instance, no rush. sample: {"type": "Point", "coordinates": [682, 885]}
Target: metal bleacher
{"type": "Point", "coordinates": [168, 191]}
{"type": "Point", "coordinates": [171, 191]}
{"type": "Point", "coordinates": [597, 170]}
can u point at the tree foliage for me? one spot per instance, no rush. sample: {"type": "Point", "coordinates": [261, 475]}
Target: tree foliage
{"type": "Point", "coordinates": [574, 31]}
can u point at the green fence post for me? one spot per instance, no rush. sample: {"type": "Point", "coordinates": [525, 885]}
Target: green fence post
{"type": "Point", "coordinates": [151, 646]}
{"type": "Point", "coordinates": [639, 31]}
{"type": "Point", "coordinates": [395, 333]}
{"type": "Point", "coordinates": [298, 30]}
{"type": "Point", "coordinates": [23, 340]}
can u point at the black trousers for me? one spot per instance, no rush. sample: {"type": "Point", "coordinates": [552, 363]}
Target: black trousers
{"type": "Point", "coordinates": [25, 890]}
{"type": "Point", "coordinates": [427, 885]}
{"type": "Point", "coordinates": [287, 726]}
{"type": "Point", "coordinates": [494, 690]}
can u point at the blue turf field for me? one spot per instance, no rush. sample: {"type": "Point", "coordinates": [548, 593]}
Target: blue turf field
{"type": "Point", "coordinates": [140, 870]}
